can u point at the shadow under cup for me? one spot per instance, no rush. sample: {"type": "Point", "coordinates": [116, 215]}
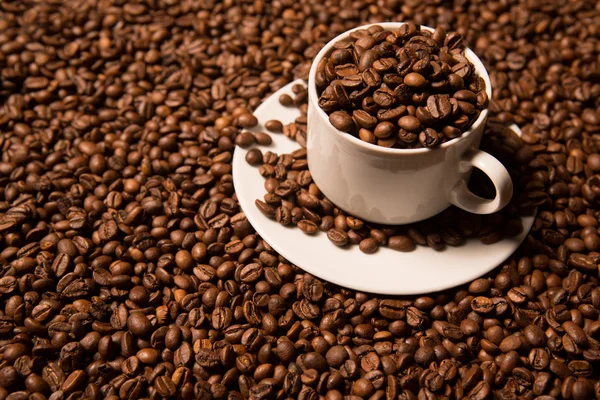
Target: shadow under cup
{"type": "Point", "coordinates": [399, 186]}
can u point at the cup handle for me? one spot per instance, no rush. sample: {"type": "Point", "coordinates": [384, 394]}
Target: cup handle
{"type": "Point", "coordinates": [463, 198]}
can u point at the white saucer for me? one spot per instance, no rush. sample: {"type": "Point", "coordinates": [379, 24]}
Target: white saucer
{"type": "Point", "coordinates": [387, 272]}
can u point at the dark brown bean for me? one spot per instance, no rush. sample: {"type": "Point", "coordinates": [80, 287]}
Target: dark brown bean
{"type": "Point", "coordinates": [274, 125]}
{"type": "Point", "coordinates": [401, 243]}
{"type": "Point", "coordinates": [337, 237]}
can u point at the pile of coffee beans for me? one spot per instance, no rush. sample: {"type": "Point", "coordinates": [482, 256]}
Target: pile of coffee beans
{"type": "Point", "coordinates": [128, 270]}
{"type": "Point", "coordinates": [402, 88]}
{"type": "Point", "coordinates": [292, 198]}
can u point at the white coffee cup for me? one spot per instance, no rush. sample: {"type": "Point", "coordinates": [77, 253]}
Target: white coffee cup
{"type": "Point", "coordinates": [400, 186]}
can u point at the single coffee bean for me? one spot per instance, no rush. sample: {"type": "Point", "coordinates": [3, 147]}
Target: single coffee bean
{"type": "Point", "coordinates": [336, 356]}
{"type": "Point", "coordinates": [367, 136]}
{"type": "Point", "coordinates": [415, 80]}
{"type": "Point", "coordinates": [307, 226]}
{"type": "Point", "coordinates": [384, 130]}
{"type": "Point", "coordinates": [337, 237]}
{"type": "Point", "coordinates": [265, 208]}
{"type": "Point", "coordinates": [139, 324]}
{"type": "Point", "coordinates": [247, 120]}
{"type": "Point", "coordinates": [429, 138]}
{"type": "Point", "coordinates": [401, 243]}
{"type": "Point", "coordinates": [263, 138]}
{"type": "Point", "coordinates": [409, 123]}
{"type": "Point", "coordinates": [439, 107]}
{"type": "Point", "coordinates": [274, 125]}
{"type": "Point", "coordinates": [74, 381]}
{"type": "Point", "coordinates": [342, 121]}
{"type": "Point", "coordinates": [245, 139]}
{"type": "Point", "coordinates": [368, 245]}
{"type": "Point", "coordinates": [582, 262]}
{"type": "Point", "coordinates": [286, 100]}
{"type": "Point", "coordinates": [9, 376]}
{"type": "Point", "coordinates": [364, 119]}
{"type": "Point", "coordinates": [254, 156]}
{"type": "Point", "coordinates": [575, 333]}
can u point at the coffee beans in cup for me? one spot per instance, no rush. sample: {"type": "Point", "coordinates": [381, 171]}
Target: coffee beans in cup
{"type": "Point", "coordinates": [404, 88]}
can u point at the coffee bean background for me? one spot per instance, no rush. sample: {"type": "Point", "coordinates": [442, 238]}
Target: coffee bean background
{"type": "Point", "coordinates": [128, 270]}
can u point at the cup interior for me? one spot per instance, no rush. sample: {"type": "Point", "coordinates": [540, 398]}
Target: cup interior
{"type": "Point", "coordinates": [313, 97]}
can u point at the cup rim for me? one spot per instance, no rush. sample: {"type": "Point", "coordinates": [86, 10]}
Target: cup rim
{"type": "Point", "coordinates": [480, 70]}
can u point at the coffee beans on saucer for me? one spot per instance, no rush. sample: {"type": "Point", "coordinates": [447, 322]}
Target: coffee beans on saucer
{"type": "Point", "coordinates": [293, 199]}
{"type": "Point", "coordinates": [404, 88]}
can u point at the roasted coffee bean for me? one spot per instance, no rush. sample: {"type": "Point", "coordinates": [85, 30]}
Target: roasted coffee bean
{"type": "Point", "coordinates": [368, 246]}
{"type": "Point", "coordinates": [582, 262]}
{"type": "Point", "coordinates": [401, 243]}
{"type": "Point", "coordinates": [429, 138]}
{"type": "Point", "coordinates": [165, 386]}
{"type": "Point", "coordinates": [367, 136]}
{"type": "Point", "coordinates": [337, 237]}
{"type": "Point", "coordinates": [263, 138]}
{"type": "Point", "coordinates": [274, 125]}
{"type": "Point", "coordinates": [384, 130]}
{"type": "Point", "coordinates": [342, 121]}
{"type": "Point", "coordinates": [364, 119]}
{"type": "Point", "coordinates": [286, 100]}
{"type": "Point", "coordinates": [384, 98]}
{"type": "Point", "coordinates": [575, 333]}
{"type": "Point", "coordinates": [410, 123]}
{"type": "Point", "coordinates": [139, 324]}
{"type": "Point", "coordinates": [265, 208]}
{"type": "Point", "coordinates": [245, 139]}
{"type": "Point", "coordinates": [394, 309]}
{"type": "Point", "coordinates": [307, 226]}
{"type": "Point", "coordinates": [539, 358]}
{"type": "Point", "coordinates": [415, 80]}
{"type": "Point", "coordinates": [439, 107]}
{"type": "Point", "coordinates": [254, 156]}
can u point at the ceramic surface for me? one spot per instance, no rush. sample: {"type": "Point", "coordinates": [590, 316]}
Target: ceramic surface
{"type": "Point", "coordinates": [395, 186]}
{"type": "Point", "coordinates": [385, 272]}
